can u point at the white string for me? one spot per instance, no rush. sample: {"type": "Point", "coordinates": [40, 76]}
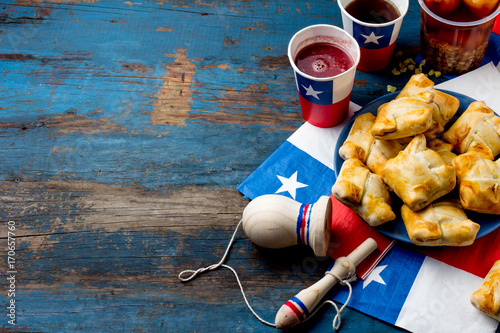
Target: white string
{"type": "Point", "coordinates": [346, 282]}
{"type": "Point", "coordinates": [211, 267]}
{"type": "Point", "coordinates": [336, 320]}
{"type": "Point", "coordinates": [220, 264]}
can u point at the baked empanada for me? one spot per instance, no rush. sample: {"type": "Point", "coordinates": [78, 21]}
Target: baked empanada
{"type": "Point", "coordinates": [487, 297]}
{"type": "Point", "coordinates": [444, 149]}
{"type": "Point", "coordinates": [447, 105]}
{"type": "Point", "coordinates": [358, 142]}
{"type": "Point", "coordinates": [362, 145]}
{"type": "Point", "coordinates": [363, 192]}
{"type": "Point", "coordinates": [381, 151]}
{"type": "Point", "coordinates": [478, 182]}
{"type": "Point", "coordinates": [440, 223]}
{"type": "Point", "coordinates": [404, 117]}
{"type": "Point", "coordinates": [477, 128]}
{"type": "Point", "coordinates": [418, 175]}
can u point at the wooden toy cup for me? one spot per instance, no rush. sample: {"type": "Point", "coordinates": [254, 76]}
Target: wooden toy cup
{"type": "Point", "coordinates": [274, 221]}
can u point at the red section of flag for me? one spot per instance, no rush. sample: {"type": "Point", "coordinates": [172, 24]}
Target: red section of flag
{"type": "Point", "coordinates": [496, 26]}
{"type": "Point", "coordinates": [375, 59]}
{"type": "Point", "coordinates": [476, 259]}
{"type": "Point", "coordinates": [324, 115]}
{"type": "Point", "coordinates": [349, 231]}
{"type": "Point", "coordinates": [304, 225]}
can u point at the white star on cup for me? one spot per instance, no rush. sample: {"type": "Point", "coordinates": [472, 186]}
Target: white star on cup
{"type": "Point", "coordinates": [372, 38]}
{"type": "Point", "coordinates": [311, 92]}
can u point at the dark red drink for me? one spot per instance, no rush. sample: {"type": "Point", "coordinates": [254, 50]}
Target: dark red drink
{"type": "Point", "coordinates": [373, 11]}
{"type": "Point", "coordinates": [323, 60]}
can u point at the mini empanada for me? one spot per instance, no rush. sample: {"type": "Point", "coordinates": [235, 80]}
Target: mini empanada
{"type": "Point", "coordinates": [358, 142]}
{"type": "Point", "coordinates": [487, 297]}
{"type": "Point", "coordinates": [478, 182]}
{"type": "Point", "coordinates": [447, 105]}
{"type": "Point", "coordinates": [444, 149]}
{"type": "Point", "coordinates": [363, 192]}
{"type": "Point", "coordinates": [477, 128]}
{"type": "Point", "coordinates": [362, 145]}
{"type": "Point", "coordinates": [418, 175]}
{"type": "Point", "coordinates": [440, 223]}
{"type": "Point", "coordinates": [404, 117]}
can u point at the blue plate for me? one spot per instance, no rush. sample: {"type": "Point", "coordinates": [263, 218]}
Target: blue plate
{"type": "Point", "coordinates": [396, 229]}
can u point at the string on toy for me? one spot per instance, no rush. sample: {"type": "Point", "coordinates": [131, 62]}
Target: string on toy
{"type": "Point", "coordinates": [194, 273]}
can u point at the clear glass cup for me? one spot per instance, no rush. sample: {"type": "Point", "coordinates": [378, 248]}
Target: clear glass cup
{"type": "Point", "coordinates": [453, 47]}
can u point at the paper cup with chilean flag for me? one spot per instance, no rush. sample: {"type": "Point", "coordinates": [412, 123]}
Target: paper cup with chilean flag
{"type": "Point", "coordinates": [324, 100]}
{"type": "Point", "coordinates": [376, 40]}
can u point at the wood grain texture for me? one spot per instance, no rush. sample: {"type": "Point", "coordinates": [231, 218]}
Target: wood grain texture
{"type": "Point", "coordinates": [125, 127]}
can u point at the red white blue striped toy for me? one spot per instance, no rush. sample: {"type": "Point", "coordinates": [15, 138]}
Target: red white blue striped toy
{"type": "Point", "coordinates": [299, 307]}
{"type": "Point", "coordinates": [275, 221]}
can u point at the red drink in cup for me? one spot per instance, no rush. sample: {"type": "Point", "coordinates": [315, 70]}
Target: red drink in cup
{"type": "Point", "coordinates": [375, 25]}
{"type": "Point", "coordinates": [324, 59]}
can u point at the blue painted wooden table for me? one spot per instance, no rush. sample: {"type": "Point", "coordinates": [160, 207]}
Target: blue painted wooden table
{"type": "Point", "coordinates": [125, 129]}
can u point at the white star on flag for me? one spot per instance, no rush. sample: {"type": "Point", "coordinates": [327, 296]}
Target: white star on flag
{"type": "Point", "coordinates": [372, 38]}
{"type": "Point", "coordinates": [375, 276]}
{"type": "Point", "coordinates": [311, 92]}
{"type": "Point", "coordinates": [290, 185]}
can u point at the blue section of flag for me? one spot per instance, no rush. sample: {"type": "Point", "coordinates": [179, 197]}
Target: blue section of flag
{"type": "Point", "coordinates": [372, 37]}
{"type": "Point", "coordinates": [386, 288]}
{"type": "Point", "coordinates": [316, 92]}
{"type": "Point", "coordinates": [284, 162]}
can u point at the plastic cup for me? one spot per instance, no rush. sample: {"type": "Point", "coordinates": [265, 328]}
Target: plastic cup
{"type": "Point", "coordinates": [376, 40]}
{"type": "Point", "coordinates": [324, 101]}
{"type": "Point", "coordinates": [451, 47]}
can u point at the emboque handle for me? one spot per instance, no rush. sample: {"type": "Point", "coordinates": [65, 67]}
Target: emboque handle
{"type": "Point", "coordinates": [300, 306]}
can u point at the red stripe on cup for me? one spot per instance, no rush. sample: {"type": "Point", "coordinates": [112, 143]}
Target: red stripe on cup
{"type": "Point", "coordinates": [375, 59]}
{"type": "Point", "coordinates": [325, 115]}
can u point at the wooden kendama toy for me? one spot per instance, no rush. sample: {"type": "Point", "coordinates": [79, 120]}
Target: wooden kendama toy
{"type": "Point", "coordinates": [275, 221]}
{"type": "Point", "coordinates": [298, 308]}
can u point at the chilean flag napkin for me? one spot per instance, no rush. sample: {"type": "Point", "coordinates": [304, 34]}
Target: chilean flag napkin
{"type": "Point", "coordinates": [302, 169]}
{"type": "Point", "coordinates": [420, 294]}
{"type": "Point", "coordinates": [419, 290]}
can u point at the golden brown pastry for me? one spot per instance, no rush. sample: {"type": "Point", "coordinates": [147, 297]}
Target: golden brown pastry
{"type": "Point", "coordinates": [358, 142]}
{"type": "Point", "coordinates": [381, 151]}
{"type": "Point", "coordinates": [404, 117]}
{"type": "Point", "coordinates": [487, 297]}
{"type": "Point", "coordinates": [478, 182]}
{"type": "Point", "coordinates": [477, 128]}
{"type": "Point", "coordinates": [364, 192]}
{"type": "Point", "coordinates": [446, 104]}
{"type": "Point", "coordinates": [444, 149]}
{"type": "Point", "coordinates": [418, 175]}
{"type": "Point", "coordinates": [440, 223]}
{"type": "Point", "coordinates": [362, 145]}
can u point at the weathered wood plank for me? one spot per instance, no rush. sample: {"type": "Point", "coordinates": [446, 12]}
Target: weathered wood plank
{"type": "Point", "coordinates": [125, 129]}
{"type": "Point", "coordinates": [113, 254]}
